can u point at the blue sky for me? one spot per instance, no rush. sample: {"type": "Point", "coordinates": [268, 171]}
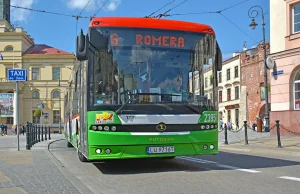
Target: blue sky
{"type": "Point", "coordinates": [60, 31]}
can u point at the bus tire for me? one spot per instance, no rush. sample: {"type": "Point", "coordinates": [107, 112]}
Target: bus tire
{"type": "Point", "coordinates": [169, 158]}
{"type": "Point", "coordinates": [81, 157]}
{"type": "Point", "coordinates": [69, 144]}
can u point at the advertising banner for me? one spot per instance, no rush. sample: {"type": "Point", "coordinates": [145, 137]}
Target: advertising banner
{"type": "Point", "coordinates": [6, 104]}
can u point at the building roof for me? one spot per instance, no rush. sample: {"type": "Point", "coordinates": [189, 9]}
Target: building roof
{"type": "Point", "coordinates": [43, 49]}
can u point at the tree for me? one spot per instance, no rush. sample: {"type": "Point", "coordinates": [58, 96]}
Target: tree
{"type": "Point", "coordinates": [37, 113]}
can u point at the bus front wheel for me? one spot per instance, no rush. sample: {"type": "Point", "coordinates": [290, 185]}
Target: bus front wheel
{"type": "Point", "coordinates": [81, 157]}
{"type": "Point", "coordinates": [69, 144]}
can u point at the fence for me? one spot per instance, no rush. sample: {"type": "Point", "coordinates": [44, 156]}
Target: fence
{"type": "Point", "coordinates": [246, 127]}
{"type": "Point", "coordinates": [36, 133]}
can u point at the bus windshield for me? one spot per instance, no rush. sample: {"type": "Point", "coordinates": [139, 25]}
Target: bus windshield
{"type": "Point", "coordinates": [147, 66]}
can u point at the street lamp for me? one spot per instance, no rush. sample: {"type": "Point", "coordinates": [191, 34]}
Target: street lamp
{"type": "Point", "coordinates": [252, 13]}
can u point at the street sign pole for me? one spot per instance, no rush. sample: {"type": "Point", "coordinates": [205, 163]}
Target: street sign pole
{"type": "Point", "coordinates": [17, 75]}
{"type": "Point", "coordinates": [17, 113]}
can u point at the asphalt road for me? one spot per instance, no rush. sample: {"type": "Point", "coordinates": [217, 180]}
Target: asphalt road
{"type": "Point", "coordinates": [224, 173]}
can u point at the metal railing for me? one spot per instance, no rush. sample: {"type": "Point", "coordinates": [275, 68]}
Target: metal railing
{"type": "Point", "coordinates": [36, 133]}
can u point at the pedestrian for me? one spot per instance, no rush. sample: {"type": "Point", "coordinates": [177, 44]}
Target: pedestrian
{"type": "Point", "coordinates": [5, 129]}
{"type": "Point", "coordinates": [221, 124]}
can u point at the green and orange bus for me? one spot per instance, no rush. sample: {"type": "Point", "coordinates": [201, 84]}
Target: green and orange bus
{"type": "Point", "coordinates": [138, 90]}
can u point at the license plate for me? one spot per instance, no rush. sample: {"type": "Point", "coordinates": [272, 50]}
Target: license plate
{"type": "Point", "coordinates": [160, 150]}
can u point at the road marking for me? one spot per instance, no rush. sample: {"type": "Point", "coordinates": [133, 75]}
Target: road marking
{"type": "Point", "coordinates": [216, 164]}
{"type": "Point", "coordinates": [290, 178]}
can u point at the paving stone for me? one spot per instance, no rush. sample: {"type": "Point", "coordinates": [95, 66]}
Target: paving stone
{"type": "Point", "coordinates": [30, 171]}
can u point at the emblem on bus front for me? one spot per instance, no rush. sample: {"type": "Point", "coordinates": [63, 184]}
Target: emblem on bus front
{"type": "Point", "coordinates": [161, 127]}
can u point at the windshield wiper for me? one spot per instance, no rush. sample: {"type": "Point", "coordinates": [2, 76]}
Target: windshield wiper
{"type": "Point", "coordinates": [129, 99]}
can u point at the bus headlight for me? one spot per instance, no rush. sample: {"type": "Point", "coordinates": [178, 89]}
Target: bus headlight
{"type": "Point", "coordinates": [211, 146]}
{"type": "Point", "coordinates": [113, 128]}
{"type": "Point", "coordinates": [98, 151]}
{"type": "Point", "coordinates": [100, 127]}
{"type": "Point", "coordinates": [107, 151]}
{"type": "Point", "coordinates": [106, 128]}
{"type": "Point", "coordinates": [94, 127]}
{"type": "Point", "coordinates": [205, 147]}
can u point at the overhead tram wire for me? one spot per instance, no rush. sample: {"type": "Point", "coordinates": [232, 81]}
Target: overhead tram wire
{"type": "Point", "coordinates": [215, 12]}
{"type": "Point", "coordinates": [99, 9]}
{"type": "Point", "coordinates": [165, 14]}
{"type": "Point", "coordinates": [159, 9]}
{"type": "Point", "coordinates": [80, 15]}
{"type": "Point", "coordinates": [48, 12]}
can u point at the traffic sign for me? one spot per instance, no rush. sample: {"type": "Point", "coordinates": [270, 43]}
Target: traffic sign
{"type": "Point", "coordinates": [17, 74]}
{"type": "Point", "coordinates": [277, 72]}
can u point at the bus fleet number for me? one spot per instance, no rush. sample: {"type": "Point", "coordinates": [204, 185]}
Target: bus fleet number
{"type": "Point", "coordinates": [210, 118]}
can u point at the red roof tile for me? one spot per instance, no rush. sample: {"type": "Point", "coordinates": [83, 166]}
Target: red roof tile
{"type": "Point", "coordinates": [44, 49]}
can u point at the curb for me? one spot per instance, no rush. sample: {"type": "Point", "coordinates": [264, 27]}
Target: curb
{"type": "Point", "coordinates": [69, 175]}
{"type": "Point", "coordinates": [265, 151]}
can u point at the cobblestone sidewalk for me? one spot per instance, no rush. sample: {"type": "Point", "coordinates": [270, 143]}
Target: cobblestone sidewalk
{"type": "Point", "coordinates": [30, 171]}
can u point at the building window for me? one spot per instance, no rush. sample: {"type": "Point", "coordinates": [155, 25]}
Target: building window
{"type": "Point", "coordinates": [35, 73]}
{"type": "Point", "coordinates": [297, 90]}
{"type": "Point", "coordinates": [228, 74]}
{"type": "Point", "coordinates": [10, 120]}
{"type": "Point", "coordinates": [55, 73]}
{"type": "Point", "coordinates": [9, 48]}
{"type": "Point", "coordinates": [262, 93]}
{"type": "Point", "coordinates": [206, 82]}
{"type": "Point", "coordinates": [35, 119]}
{"type": "Point", "coordinates": [220, 77]}
{"type": "Point", "coordinates": [296, 19]}
{"type": "Point", "coordinates": [36, 94]}
{"type": "Point", "coordinates": [55, 116]}
{"type": "Point", "coordinates": [228, 94]}
{"type": "Point", "coordinates": [236, 71]}
{"type": "Point", "coordinates": [237, 92]}
{"type": "Point", "coordinates": [56, 94]}
{"type": "Point", "coordinates": [220, 96]}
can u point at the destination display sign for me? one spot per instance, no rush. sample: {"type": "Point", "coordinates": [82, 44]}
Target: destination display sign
{"type": "Point", "coordinates": [167, 39]}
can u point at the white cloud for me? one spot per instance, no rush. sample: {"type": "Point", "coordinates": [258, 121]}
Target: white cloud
{"type": "Point", "coordinates": [111, 5]}
{"type": "Point", "coordinates": [21, 14]}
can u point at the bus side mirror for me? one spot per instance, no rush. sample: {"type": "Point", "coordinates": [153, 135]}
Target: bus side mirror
{"type": "Point", "coordinates": [82, 46]}
{"type": "Point", "coordinates": [218, 58]}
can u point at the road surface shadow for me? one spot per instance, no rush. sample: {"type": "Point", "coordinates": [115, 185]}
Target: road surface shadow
{"type": "Point", "coordinates": [248, 161]}
{"type": "Point", "coordinates": [142, 166]}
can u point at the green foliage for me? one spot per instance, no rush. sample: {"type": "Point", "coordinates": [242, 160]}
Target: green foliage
{"type": "Point", "coordinates": [37, 113]}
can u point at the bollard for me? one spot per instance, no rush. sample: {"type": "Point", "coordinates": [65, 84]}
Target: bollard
{"type": "Point", "coordinates": [45, 133]}
{"type": "Point", "coordinates": [49, 134]}
{"type": "Point", "coordinates": [42, 133]}
{"type": "Point", "coordinates": [33, 134]}
{"type": "Point", "coordinates": [39, 133]}
{"type": "Point", "coordinates": [225, 132]}
{"type": "Point", "coordinates": [36, 134]}
{"type": "Point", "coordinates": [278, 134]}
{"type": "Point", "coordinates": [246, 134]}
{"type": "Point", "coordinates": [27, 137]}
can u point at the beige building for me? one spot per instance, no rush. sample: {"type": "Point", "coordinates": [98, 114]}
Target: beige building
{"type": "Point", "coordinates": [229, 90]}
{"type": "Point", "coordinates": [46, 68]}
{"type": "Point", "coordinates": [285, 50]}
{"type": "Point", "coordinates": [208, 82]}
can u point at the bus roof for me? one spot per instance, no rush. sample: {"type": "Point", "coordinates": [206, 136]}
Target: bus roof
{"type": "Point", "coordinates": [152, 23]}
